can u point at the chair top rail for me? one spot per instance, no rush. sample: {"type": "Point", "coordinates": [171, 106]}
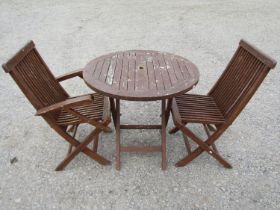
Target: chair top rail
{"type": "Point", "coordinates": [11, 63]}
{"type": "Point", "coordinates": [259, 54]}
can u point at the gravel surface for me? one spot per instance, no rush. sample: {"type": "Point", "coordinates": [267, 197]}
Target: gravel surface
{"type": "Point", "coordinates": [69, 34]}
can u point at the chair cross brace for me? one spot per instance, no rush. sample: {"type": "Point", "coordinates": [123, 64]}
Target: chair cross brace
{"type": "Point", "coordinates": [202, 145]}
{"type": "Point", "coordinates": [76, 147]}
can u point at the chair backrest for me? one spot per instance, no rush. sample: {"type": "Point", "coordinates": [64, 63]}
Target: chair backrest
{"type": "Point", "coordinates": [241, 78]}
{"type": "Point", "coordinates": [34, 78]}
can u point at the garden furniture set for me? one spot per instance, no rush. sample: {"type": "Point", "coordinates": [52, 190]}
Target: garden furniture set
{"type": "Point", "coordinates": [140, 75]}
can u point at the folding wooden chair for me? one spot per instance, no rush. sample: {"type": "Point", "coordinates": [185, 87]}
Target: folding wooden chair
{"type": "Point", "coordinates": [217, 110]}
{"type": "Point", "coordinates": [63, 113]}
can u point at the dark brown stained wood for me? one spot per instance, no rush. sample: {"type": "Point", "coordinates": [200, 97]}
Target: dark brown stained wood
{"type": "Point", "coordinates": [71, 74]}
{"type": "Point", "coordinates": [81, 100]}
{"type": "Point", "coordinates": [151, 73]}
{"type": "Point", "coordinates": [124, 76]}
{"type": "Point", "coordinates": [243, 70]}
{"type": "Point", "coordinates": [10, 64]}
{"type": "Point", "coordinates": [170, 70]}
{"type": "Point", "coordinates": [104, 70]}
{"type": "Point", "coordinates": [259, 54]}
{"type": "Point", "coordinates": [158, 76]}
{"type": "Point", "coordinates": [233, 90]}
{"type": "Point", "coordinates": [36, 81]}
{"type": "Point", "coordinates": [183, 68]}
{"type": "Point", "coordinates": [176, 67]}
{"type": "Point", "coordinates": [98, 68]}
{"type": "Point", "coordinates": [118, 71]}
{"type": "Point", "coordinates": [141, 75]}
{"type": "Point", "coordinates": [165, 75]}
{"type": "Point", "coordinates": [93, 111]}
{"type": "Point", "coordinates": [198, 109]}
{"type": "Point", "coordinates": [62, 112]}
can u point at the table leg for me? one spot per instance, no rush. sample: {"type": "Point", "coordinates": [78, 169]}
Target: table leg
{"type": "Point", "coordinates": [113, 110]}
{"type": "Point", "coordinates": [118, 137]}
{"type": "Point", "coordinates": [168, 109]}
{"type": "Point", "coordinates": [163, 135]}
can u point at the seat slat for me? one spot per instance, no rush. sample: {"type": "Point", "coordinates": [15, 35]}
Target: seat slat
{"type": "Point", "coordinates": [192, 108]}
{"type": "Point", "coordinates": [91, 111]}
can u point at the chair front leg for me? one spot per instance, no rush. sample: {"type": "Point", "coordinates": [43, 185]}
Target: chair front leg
{"type": "Point", "coordinates": [187, 144]}
{"type": "Point", "coordinates": [175, 129]}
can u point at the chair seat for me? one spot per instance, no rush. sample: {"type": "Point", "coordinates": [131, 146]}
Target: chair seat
{"type": "Point", "coordinates": [95, 111]}
{"type": "Point", "coordinates": [198, 109]}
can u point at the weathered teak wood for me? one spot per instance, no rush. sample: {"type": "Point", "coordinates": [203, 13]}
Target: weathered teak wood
{"type": "Point", "coordinates": [71, 74]}
{"type": "Point", "coordinates": [139, 75]}
{"type": "Point", "coordinates": [54, 104]}
{"type": "Point", "coordinates": [217, 111]}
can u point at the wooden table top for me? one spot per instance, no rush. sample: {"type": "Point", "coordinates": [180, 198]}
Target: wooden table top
{"type": "Point", "coordinates": [140, 75]}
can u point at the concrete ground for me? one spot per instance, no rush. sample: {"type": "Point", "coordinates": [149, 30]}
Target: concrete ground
{"type": "Point", "coordinates": [69, 34]}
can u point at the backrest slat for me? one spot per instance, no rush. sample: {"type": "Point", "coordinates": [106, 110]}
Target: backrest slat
{"type": "Point", "coordinates": [241, 78]}
{"type": "Point", "coordinates": [34, 77]}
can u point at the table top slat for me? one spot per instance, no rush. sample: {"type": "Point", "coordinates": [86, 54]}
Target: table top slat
{"type": "Point", "coordinates": [164, 73]}
{"type": "Point", "coordinates": [171, 71]}
{"type": "Point", "coordinates": [141, 73]}
{"type": "Point", "coordinates": [118, 71]}
{"type": "Point", "coordinates": [131, 72]}
{"type": "Point", "coordinates": [176, 68]}
{"type": "Point", "coordinates": [158, 76]}
{"type": "Point", "coordinates": [183, 68]}
{"type": "Point", "coordinates": [98, 68]}
{"type": "Point", "coordinates": [124, 77]}
{"type": "Point", "coordinates": [104, 70]}
{"type": "Point", "coordinates": [151, 74]}
{"type": "Point", "coordinates": [111, 70]}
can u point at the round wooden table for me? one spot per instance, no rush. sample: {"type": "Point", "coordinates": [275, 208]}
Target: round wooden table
{"type": "Point", "coordinates": [141, 75]}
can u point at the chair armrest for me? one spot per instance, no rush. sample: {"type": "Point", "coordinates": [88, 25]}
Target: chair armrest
{"type": "Point", "coordinates": [71, 102]}
{"type": "Point", "coordinates": [71, 74]}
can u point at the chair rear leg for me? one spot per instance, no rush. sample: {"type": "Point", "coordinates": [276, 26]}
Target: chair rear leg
{"type": "Point", "coordinates": [74, 130]}
{"type": "Point", "coordinates": [187, 144]}
{"type": "Point", "coordinates": [175, 129]}
{"type": "Point", "coordinates": [69, 149]}
{"type": "Point", "coordinates": [214, 147]}
{"type": "Point", "coordinates": [207, 130]}
{"type": "Point", "coordinates": [95, 143]}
